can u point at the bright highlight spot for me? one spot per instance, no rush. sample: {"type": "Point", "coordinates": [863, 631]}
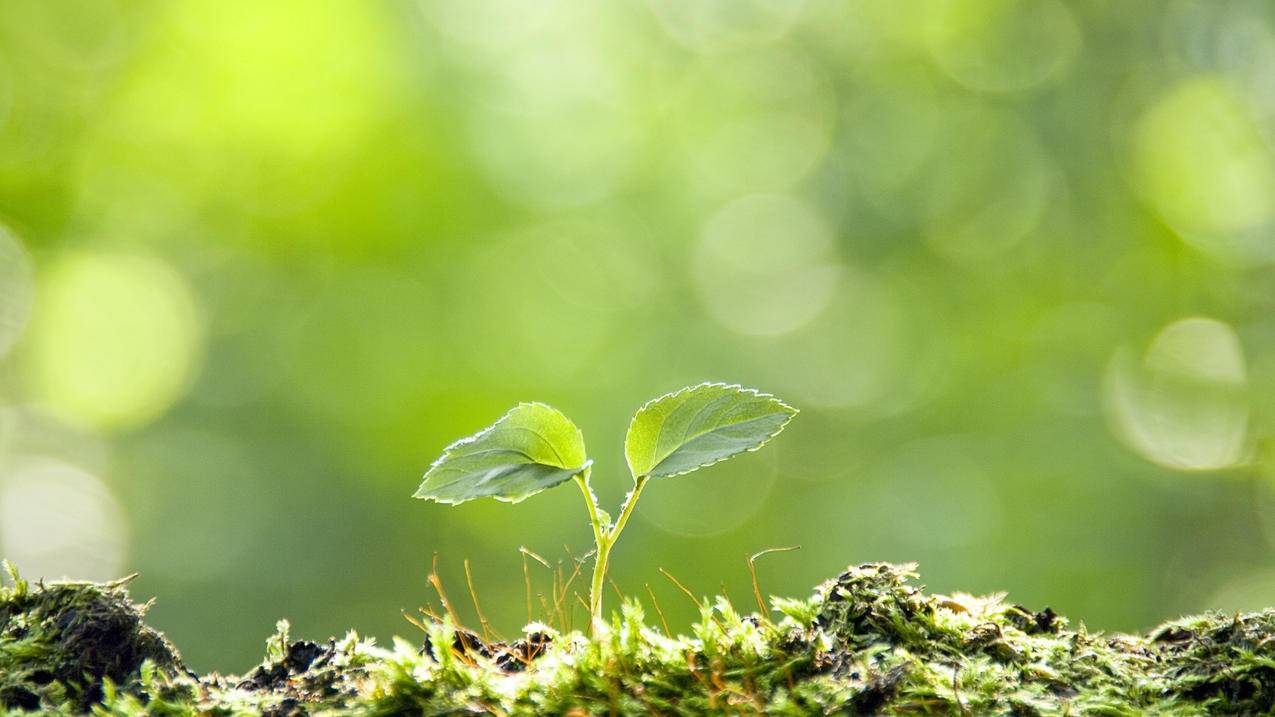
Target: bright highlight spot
{"type": "Point", "coordinates": [766, 265]}
{"type": "Point", "coordinates": [17, 284]}
{"type": "Point", "coordinates": [116, 339]}
{"type": "Point", "coordinates": [1184, 405]}
{"type": "Point", "coordinates": [264, 106]}
{"type": "Point", "coordinates": [58, 521]}
{"type": "Point", "coordinates": [1199, 158]}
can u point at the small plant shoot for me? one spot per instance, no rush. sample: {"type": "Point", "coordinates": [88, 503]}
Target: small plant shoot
{"type": "Point", "coordinates": [535, 447]}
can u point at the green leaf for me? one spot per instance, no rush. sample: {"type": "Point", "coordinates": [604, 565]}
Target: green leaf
{"type": "Point", "coordinates": [531, 448]}
{"type": "Point", "coordinates": [701, 425]}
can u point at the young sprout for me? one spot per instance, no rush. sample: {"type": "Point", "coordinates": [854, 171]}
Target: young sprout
{"type": "Point", "coordinates": [534, 447]}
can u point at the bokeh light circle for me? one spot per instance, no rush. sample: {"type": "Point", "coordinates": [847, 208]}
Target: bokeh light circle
{"type": "Point", "coordinates": [116, 338]}
{"type": "Point", "coordinates": [988, 190]}
{"type": "Point", "coordinates": [710, 25]}
{"type": "Point", "coordinates": [1200, 159]}
{"type": "Point", "coordinates": [1002, 45]}
{"type": "Point", "coordinates": [766, 265]}
{"type": "Point", "coordinates": [1184, 405]}
{"type": "Point", "coordinates": [17, 288]}
{"type": "Point", "coordinates": [8, 432]}
{"type": "Point", "coordinates": [490, 26]}
{"type": "Point", "coordinates": [57, 520]}
{"type": "Point", "coordinates": [29, 430]}
{"type": "Point", "coordinates": [760, 121]}
{"type": "Point", "coordinates": [239, 122]}
{"type": "Point", "coordinates": [888, 133]}
{"type": "Point", "coordinates": [553, 122]}
{"type": "Point", "coordinates": [1235, 40]}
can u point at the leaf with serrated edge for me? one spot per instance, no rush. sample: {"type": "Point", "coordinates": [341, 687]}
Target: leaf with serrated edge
{"type": "Point", "coordinates": [699, 426]}
{"type": "Point", "coordinates": [531, 448]}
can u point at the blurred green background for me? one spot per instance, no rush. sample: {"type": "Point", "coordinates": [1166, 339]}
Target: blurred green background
{"type": "Point", "coordinates": [261, 262]}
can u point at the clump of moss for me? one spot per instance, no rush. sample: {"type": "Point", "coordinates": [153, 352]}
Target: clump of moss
{"type": "Point", "coordinates": [868, 642]}
{"type": "Point", "coordinates": [61, 642]}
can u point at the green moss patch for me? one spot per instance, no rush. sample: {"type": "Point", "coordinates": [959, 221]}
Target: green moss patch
{"type": "Point", "coordinates": [61, 643]}
{"type": "Point", "coordinates": [868, 642]}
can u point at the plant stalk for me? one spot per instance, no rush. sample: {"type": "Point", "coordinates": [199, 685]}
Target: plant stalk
{"type": "Point", "coordinates": [590, 502]}
{"type": "Point", "coordinates": [605, 541]}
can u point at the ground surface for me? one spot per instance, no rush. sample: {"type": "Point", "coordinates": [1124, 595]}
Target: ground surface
{"type": "Point", "coordinates": [867, 642]}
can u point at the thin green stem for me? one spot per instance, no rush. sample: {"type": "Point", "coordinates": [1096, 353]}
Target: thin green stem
{"type": "Point", "coordinates": [629, 501]}
{"type": "Point", "coordinates": [605, 543]}
{"type": "Point", "coordinates": [595, 587]}
{"type": "Point", "coordinates": [590, 502]}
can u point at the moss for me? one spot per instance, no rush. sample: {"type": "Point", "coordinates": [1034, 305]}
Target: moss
{"type": "Point", "coordinates": [59, 643]}
{"type": "Point", "coordinates": [868, 642]}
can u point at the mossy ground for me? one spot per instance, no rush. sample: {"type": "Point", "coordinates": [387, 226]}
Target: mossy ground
{"type": "Point", "coordinates": [867, 642]}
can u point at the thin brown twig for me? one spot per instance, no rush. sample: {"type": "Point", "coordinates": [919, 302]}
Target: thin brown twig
{"type": "Point", "coordinates": [415, 623]}
{"type": "Point", "coordinates": [658, 611]}
{"type": "Point", "coordinates": [752, 571]}
{"type": "Point", "coordinates": [544, 606]}
{"type": "Point", "coordinates": [570, 555]}
{"type": "Point", "coordinates": [437, 582]}
{"type": "Point", "coordinates": [557, 605]}
{"type": "Point", "coordinates": [535, 556]}
{"type": "Point", "coordinates": [526, 579]}
{"type": "Point", "coordinates": [577, 566]}
{"type": "Point", "coordinates": [682, 587]}
{"type": "Point", "coordinates": [473, 594]}
{"type": "Point", "coordinates": [574, 574]}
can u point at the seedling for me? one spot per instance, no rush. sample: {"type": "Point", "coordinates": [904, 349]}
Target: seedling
{"type": "Point", "coordinates": [535, 447]}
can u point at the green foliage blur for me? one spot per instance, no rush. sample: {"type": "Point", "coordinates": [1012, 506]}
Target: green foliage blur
{"type": "Point", "coordinates": [261, 262]}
